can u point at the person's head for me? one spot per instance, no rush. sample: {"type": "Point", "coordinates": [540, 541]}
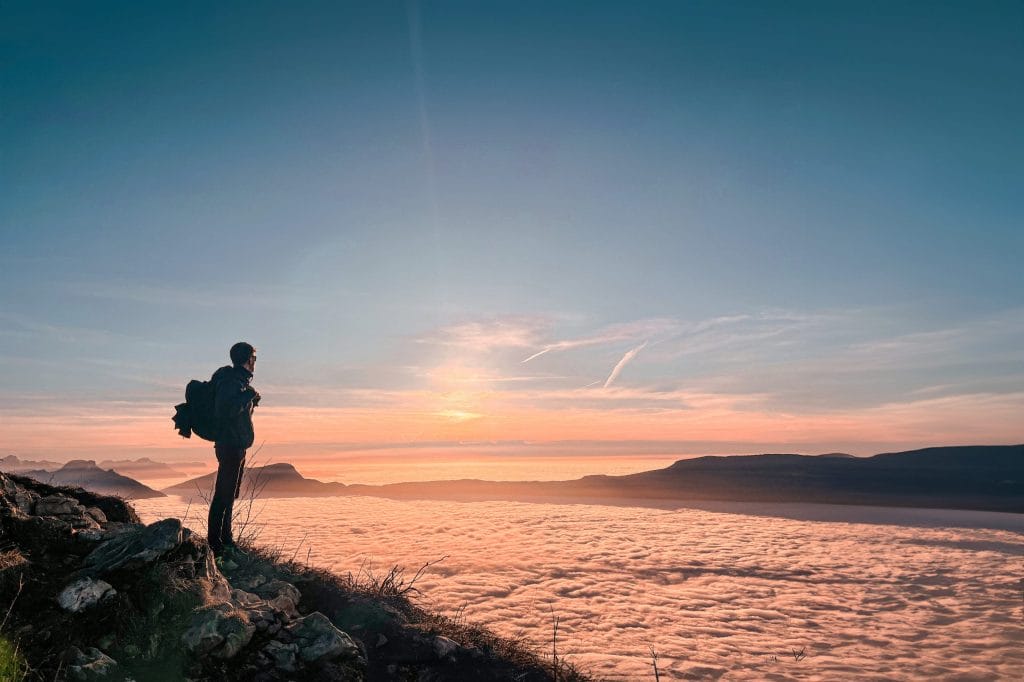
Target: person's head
{"type": "Point", "coordinates": [243, 355]}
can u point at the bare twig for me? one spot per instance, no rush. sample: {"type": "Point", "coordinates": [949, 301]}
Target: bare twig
{"type": "Point", "coordinates": [306, 535]}
{"type": "Point", "coordinates": [555, 664]}
{"type": "Point", "coordinates": [654, 662]}
{"type": "Point", "coordinates": [424, 567]}
{"type": "Point", "coordinates": [459, 618]}
{"type": "Point", "coordinates": [21, 584]}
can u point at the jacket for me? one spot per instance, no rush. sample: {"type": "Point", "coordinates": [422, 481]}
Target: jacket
{"type": "Point", "coordinates": [233, 406]}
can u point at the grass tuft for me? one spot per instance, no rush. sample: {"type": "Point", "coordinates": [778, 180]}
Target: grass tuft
{"type": "Point", "coordinates": [13, 667]}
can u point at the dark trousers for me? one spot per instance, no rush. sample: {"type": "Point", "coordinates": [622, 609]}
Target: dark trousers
{"type": "Point", "coordinates": [230, 464]}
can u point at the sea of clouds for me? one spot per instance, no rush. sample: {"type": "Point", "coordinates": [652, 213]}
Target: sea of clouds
{"type": "Point", "coordinates": [716, 594]}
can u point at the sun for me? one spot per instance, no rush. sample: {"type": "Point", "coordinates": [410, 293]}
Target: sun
{"type": "Point", "coordinates": [459, 393]}
{"type": "Point", "coordinates": [459, 416]}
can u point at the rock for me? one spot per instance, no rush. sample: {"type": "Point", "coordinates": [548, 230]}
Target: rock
{"type": "Point", "coordinates": [253, 582]}
{"type": "Point", "coordinates": [91, 534]}
{"type": "Point", "coordinates": [260, 613]}
{"type": "Point", "coordinates": [83, 593]}
{"type": "Point", "coordinates": [282, 596]}
{"type": "Point", "coordinates": [96, 514]}
{"type": "Point", "coordinates": [444, 646]}
{"type": "Point", "coordinates": [276, 588]}
{"type": "Point", "coordinates": [238, 634]}
{"type": "Point", "coordinates": [203, 636]}
{"type": "Point", "coordinates": [318, 639]}
{"type": "Point", "coordinates": [134, 549]}
{"type": "Point", "coordinates": [109, 530]}
{"type": "Point", "coordinates": [16, 498]}
{"type": "Point", "coordinates": [91, 664]}
{"type": "Point", "coordinates": [283, 655]}
{"type": "Point", "coordinates": [64, 508]}
{"type": "Point", "coordinates": [212, 590]}
{"type": "Point", "coordinates": [58, 505]}
{"type": "Point", "coordinates": [285, 606]}
{"type": "Point", "coordinates": [221, 630]}
{"type": "Point", "coordinates": [24, 501]}
{"type": "Point", "coordinates": [246, 599]}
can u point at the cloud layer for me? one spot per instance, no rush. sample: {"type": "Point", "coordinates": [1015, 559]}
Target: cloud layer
{"type": "Point", "coordinates": [716, 594]}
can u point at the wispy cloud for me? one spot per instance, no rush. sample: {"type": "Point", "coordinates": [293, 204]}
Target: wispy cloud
{"type": "Point", "coordinates": [489, 334]}
{"type": "Point", "coordinates": [630, 331]}
{"type": "Point", "coordinates": [629, 355]}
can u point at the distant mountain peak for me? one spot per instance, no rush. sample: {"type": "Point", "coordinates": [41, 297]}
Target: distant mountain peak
{"type": "Point", "coordinates": [81, 464]}
{"type": "Point", "coordinates": [282, 469]}
{"type": "Point", "coordinates": [272, 480]}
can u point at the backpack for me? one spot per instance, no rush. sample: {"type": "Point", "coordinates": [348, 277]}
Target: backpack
{"type": "Point", "coordinates": [196, 415]}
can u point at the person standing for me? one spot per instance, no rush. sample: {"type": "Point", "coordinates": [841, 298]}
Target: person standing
{"type": "Point", "coordinates": [234, 401]}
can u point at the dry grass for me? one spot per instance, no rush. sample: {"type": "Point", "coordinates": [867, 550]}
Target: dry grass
{"type": "Point", "coordinates": [395, 590]}
{"type": "Point", "coordinates": [9, 558]}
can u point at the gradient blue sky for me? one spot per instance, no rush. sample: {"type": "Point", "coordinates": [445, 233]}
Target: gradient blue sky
{"type": "Point", "coordinates": [733, 226]}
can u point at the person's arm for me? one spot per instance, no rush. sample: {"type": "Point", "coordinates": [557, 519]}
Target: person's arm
{"type": "Point", "coordinates": [232, 398]}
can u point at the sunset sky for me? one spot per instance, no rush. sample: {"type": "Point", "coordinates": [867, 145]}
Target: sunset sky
{"type": "Point", "coordinates": [514, 228]}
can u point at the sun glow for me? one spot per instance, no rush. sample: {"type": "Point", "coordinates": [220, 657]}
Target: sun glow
{"type": "Point", "coordinates": [459, 415]}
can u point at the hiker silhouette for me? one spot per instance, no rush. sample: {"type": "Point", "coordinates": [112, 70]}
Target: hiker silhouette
{"type": "Point", "coordinates": [234, 401]}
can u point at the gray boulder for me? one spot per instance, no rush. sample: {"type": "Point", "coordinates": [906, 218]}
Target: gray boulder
{"type": "Point", "coordinates": [319, 640]}
{"type": "Point", "coordinates": [84, 593]}
{"type": "Point", "coordinates": [445, 647]}
{"type": "Point", "coordinates": [65, 509]}
{"type": "Point", "coordinates": [219, 630]}
{"type": "Point", "coordinates": [134, 549]}
{"type": "Point", "coordinates": [96, 514]}
{"type": "Point", "coordinates": [58, 505]}
{"type": "Point", "coordinates": [109, 530]}
{"type": "Point", "coordinates": [21, 502]}
{"type": "Point", "coordinates": [282, 596]}
{"type": "Point", "coordinates": [278, 588]}
{"type": "Point", "coordinates": [283, 655]}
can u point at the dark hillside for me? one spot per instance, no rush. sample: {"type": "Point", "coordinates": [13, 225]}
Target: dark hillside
{"type": "Point", "coordinates": [989, 478]}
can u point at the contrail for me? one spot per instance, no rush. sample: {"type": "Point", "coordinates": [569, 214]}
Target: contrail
{"type": "Point", "coordinates": [565, 345]}
{"type": "Point", "coordinates": [538, 354]}
{"type": "Point", "coordinates": [630, 354]}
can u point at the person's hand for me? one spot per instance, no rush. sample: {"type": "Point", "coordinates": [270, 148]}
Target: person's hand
{"type": "Point", "coordinates": [255, 396]}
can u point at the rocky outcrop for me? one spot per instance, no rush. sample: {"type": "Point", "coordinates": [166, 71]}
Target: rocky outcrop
{"type": "Point", "coordinates": [107, 599]}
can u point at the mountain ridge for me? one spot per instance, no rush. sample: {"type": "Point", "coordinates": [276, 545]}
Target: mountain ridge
{"type": "Point", "coordinates": [984, 478]}
{"type": "Point", "coordinates": [84, 473]}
